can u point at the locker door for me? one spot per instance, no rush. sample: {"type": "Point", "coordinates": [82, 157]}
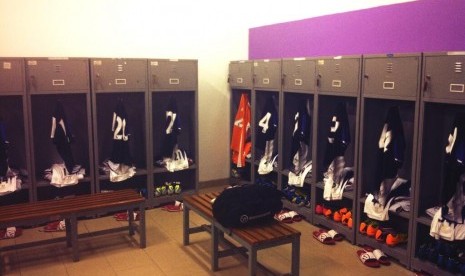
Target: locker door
{"type": "Point", "coordinates": [11, 75]}
{"type": "Point", "coordinates": [119, 74]}
{"type": "Point", "coordinates": [267, 74]}
{"type": "Point", "coordinates": [391, 76]}
{"type": "Point", "coordinates": [63, 75]}
{"type": "Point", "coordinates": [339, 75]}
{"type": "Point", "coordinates": [173, 74]}
{"type": "Point", "coordinates": [444, 77]}
{"type": "Point", "coordinates": [299, 75]}
{"type": "Point", "coordinates": [240, 74]}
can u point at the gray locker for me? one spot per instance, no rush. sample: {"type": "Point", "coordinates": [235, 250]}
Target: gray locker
{"type": "Point", "coordinates": [241, 74]}
{"type": "Point", "coordinates": [339, 74]}
{"type": "Point", "coordinates": [267, 74]}
{"type": "Point", "coordinates": [58, 74]}
{"type": "Point", "coordinates": [173, 74]}
{"type": "Point", "coordinates": [391, 75]}
{"type": "Point", "coordinates": [444, 76]}
{"type": "Point", "coordinates": [11, 75]}
{"type": "Point", "coordinates": [299, 74]}
{"type": "Point", "coordinates": [109, 74]}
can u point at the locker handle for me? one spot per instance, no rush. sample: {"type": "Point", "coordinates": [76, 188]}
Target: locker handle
{"type": "Point", "coordinates": [229, 78]}
{"type": "Point", "coordinates": [98, 82]}
{"type": "Point", "coordinates": [33, 83]}
{"type": "Point", "coordinates": [426, 84]}
{"type": "Point", "coordinates": [365, 76]}
{"type": "Point", "coordinates": [318, 80]}
{"type": "Point", "coordinates": [253, 79]}
{"type": "Point", "coordinates": [154, 79]}
{"type": "Point", "coordinates": [283, 79]}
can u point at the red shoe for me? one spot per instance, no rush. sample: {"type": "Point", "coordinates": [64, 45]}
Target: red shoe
{"type": "Point", "coordinates": [319, 209]}
{"type": "Point", "coordinates": [125, 217]}
{"type": "Point", "coordinates": [55, 226]}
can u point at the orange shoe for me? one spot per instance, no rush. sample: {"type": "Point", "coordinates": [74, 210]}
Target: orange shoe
{"type": "Point", "coordinates": [395, 239]}
{"type": "Point", "coordinates": [349, 223]}
{"type": "Point", "coordinates": [337, 217]}
{"type": "Point", "coordinates": [343, 211]}
{"type": "Point", "coordinates": [346, 217]}
{"type": "Point", "coordinates": [363, 226]}
{"type": "Point", "coordinates": [382, 233]}
{"type": "Point", "coordinates": [371, 229]}
{"type": "Point", "coordinates": [327, 212]}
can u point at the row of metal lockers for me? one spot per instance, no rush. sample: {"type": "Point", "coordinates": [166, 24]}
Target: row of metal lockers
{"type": "Point", "coordinates": [384, 75]}
{"type": "Point", "coordinates": [70, 74]}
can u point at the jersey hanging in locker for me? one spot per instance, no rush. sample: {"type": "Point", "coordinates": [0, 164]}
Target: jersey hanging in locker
{"type": "Point", "coordinates": [240, 134]}
{"type": "Point", "coordinates": [62, 137]}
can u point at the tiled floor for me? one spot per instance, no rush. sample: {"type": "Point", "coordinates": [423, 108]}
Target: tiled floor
{"type": "Point", "coordinates": [117, 254]}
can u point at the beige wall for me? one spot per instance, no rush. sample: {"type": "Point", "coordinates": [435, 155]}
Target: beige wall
{"type": "Point", "coordinates": [214, 32]}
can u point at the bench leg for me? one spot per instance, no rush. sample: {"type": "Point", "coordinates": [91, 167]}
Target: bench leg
{"type": "Point", "coordinates": [185, 225]}
{"type": "Point", "coordinates": [130, 221]}
{"type": "Point", "coordinates": [295, 256]}
{"type": "Point", "coordinates": [142, 236]}
{"type": "Point", "coordinates": [74, 238]}
{"type": "Point", "coordinates": [252, 261]}
{"type": "Point", "coordinates": [68, 232]}
{"type": "Point", "coordinates": [214, 244]}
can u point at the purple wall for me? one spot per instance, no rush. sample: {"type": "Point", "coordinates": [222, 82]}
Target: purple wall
{"type": "Point", "coordinates": [421, 26]}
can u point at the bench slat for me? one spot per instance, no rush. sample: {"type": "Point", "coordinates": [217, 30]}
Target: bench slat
{"type": "Point", "coordinates": [274, 230]}
{"type": "Point", "coordinates": [82, 203]}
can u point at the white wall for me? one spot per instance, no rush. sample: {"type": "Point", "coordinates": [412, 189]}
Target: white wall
{"type": "Point", "coordinates": [214, 32]}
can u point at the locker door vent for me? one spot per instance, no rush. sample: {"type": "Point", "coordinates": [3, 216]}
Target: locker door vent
{"type": "Point", "coordinates": [389, 67]}
{"type": "Point", "coordinates": [120, 68]}
{"type": "Point", "coordinates": [57, 68]}
{"type": "Point", "coordinates": [337, 68]}
{"type": "Point", "coordinates": [458, 67]}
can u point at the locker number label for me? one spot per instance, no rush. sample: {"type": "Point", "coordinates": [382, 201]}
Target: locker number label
{"type": "Point", "coordinates": [336, 83]}
{"type": "Point", "coordinates": [388, 85]}
{"type": "Point", "coordinates": [456, 88]}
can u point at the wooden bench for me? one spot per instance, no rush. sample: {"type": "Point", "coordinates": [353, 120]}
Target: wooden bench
{"type": "Point", "coordinates": [251, 238]}
{"type": "Point", "coordinates": [70, 209]}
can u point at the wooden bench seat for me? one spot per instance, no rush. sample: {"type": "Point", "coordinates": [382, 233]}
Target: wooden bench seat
{"type": "Point", "coordinates": [70, 209]}
{"type": "Point", "coordinates": [251, 238]}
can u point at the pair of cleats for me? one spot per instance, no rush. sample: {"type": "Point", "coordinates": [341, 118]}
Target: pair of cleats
{"type": "Point", "coordinates": [124, 216]}
{"type": "Point", "coordinates": [301, 201]}
{"type": "Point", "coordinates": [168, 189]}
{"type": "Point", "coordinates": [369, 227]}
{"type": "Point", "coordinates": [343, 215]}
{"type": "Point", "coordinates": [322, 210]}
{"type": "Point", "coordinates": [372, 229]}
{"type": "Point", "coordinates": [176, 207]}
{"type": "Point", "coordinates": [443, 255]}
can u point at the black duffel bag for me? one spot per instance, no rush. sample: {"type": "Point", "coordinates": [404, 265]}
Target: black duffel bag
{"type": "Point", "coordinates": [246, 205]}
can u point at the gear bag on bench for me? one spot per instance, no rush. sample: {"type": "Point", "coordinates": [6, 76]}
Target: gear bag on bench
{"type": "Point", "coordinates": [246, 205]}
